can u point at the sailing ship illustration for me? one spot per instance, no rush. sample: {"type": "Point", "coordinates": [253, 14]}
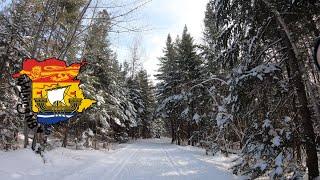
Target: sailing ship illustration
{"type": "Point", "coordinates": [56, 99]}
{"type": "Point", "coordinates": [56, 95]}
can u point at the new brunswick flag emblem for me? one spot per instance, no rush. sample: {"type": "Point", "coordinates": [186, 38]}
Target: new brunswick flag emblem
{"type": "Point", "coordinates": [56, 95]}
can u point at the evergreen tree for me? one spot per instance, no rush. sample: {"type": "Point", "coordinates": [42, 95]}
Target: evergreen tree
{"type": "Point", "coordinates": [188, 61]}
{"type": "Point", "coordinates": [136, 99]}
{"type": "Point", "coordinates": [245, 44]}
{"type": "Point", "coordinates": [149, 103]}
{"type": "Point", "coordinates": [114, 113]}
{"type": "Point", "coordinates": [158, 128]}
{"type": "Point", "coordinates": [168, 76]}
{"type": "Point", "coordinates": [179, 72]}
{"type": "Point", "coordinates": [142, 97]}
{"type": "Point", "coordinates": [16, 26]}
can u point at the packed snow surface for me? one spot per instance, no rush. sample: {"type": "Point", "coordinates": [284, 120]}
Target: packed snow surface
{"type": "Point", "coordinates": [142, 159]}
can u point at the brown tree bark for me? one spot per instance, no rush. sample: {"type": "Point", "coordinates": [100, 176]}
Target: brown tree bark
{"type": "Point", "coordinates": [26, 134]}
{"type": "Point", "coordinates": [38, 33]}
{"type": "Point", "coordinates": [307, 124]}
{"type": "Point", "coordinates": [173, 133]}
{"type": "Point", "coordinates": [69, 42]}
{"type": "Point", "coordinates": [189, 132]}
{"type": "Point", "coordinates": [65, 138]}
{"type": "Point", "coordinates": [296, 140]}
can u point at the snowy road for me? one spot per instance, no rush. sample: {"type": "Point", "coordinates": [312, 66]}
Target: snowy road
{"type": "Point", "coordinates": [147, 159]}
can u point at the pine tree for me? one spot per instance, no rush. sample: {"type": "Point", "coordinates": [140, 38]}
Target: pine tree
{"type": "Point", "coordinates": [158, 128]}
{"type": "Point", "coordinates": [180, 71]}
{"type": "Point", "coordinates": [168, 76]}
{"type": "Point", "coordinates": [137, 101]}
{"type": "Point", "coordinates": [246, 45]}
{"type": "Point", "coordinates": [149, 103]}
{"type": "Point", "coordinates": [188, 61]}
{"type": "Point", "coordinates": [142, 97]}
{"type": "Point", "coordinates": [114, 114]}
{"type": "Point", "coordinates": [16, 28]}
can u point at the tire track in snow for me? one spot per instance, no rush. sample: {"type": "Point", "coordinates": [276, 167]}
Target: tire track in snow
{"type": "Point", "coordinates": [83, 170]}
{"type": "Point", "coordinates": [118, 169]}
{"type": "Point", "coordinates": [79, 170]}
{"type": "Point", "coordinates": [126, 170]}
{"type": "Point", "coordinates": [174, 165]}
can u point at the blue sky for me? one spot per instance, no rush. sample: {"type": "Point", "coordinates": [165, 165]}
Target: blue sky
{"type": "Point", "coordinates": [162, 17]}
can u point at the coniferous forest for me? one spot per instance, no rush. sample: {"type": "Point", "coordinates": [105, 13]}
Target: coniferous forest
{"type": "Point", "coordinates": [250, 89]}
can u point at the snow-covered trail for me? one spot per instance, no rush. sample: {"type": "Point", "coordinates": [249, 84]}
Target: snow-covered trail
{"type": "Point", "coordinates": [144, 159]}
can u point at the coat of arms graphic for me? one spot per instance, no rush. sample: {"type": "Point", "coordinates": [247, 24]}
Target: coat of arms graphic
{"type": "Point", "coordinates": [55, 92]}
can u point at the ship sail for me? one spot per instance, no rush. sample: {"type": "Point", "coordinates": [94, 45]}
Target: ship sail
{"type": "Point", "coordinates": [56, 95]}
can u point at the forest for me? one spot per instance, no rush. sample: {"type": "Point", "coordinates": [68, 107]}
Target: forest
{"type": "Point", "coordinates": [251, 88]}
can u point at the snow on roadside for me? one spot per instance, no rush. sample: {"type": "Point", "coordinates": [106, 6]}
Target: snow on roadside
{"type": "Point", "coordinates": [24, 163]}
{"type": "Point", "coordinates": [141, 159]}
{"type": "Point", "coordinates": [219, 160]}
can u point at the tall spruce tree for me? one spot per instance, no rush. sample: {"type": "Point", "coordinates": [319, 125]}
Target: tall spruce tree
{"type": "Point", "coordinates": [189, 65]}
{"type": "Point", "coordinates": [147, 92]}
{"type": "Point", "coordinates": [178, 99]}
{"type": "Point", "coordinates": [167, 87]}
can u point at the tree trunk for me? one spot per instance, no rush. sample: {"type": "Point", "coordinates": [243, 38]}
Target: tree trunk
{"type": "Point", "coordinates": [25, 124]}
{"type": "Point", "coordinates": [38, 33]}
{"type": "Point", "coordinates": [189, 132]}
{"type": "Point", "coordinates": [173, 135]}
{"type": "Point", "coordinates": [178, 132]}
{"type": "Point", "coordinates": [296, 140]}
{"type": "Point", "coordinates": [307, 124]}
{"type": "Point", "coordinates": [95, 135]}
{"type": "Point", "coordinates": [65, 139]}
{"type": "Point", "coordinates": [26, 135]}
{"type": "Point", "coordinates": [73, 35]}
{"type": "Point", "coordinates": [34, 141]}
